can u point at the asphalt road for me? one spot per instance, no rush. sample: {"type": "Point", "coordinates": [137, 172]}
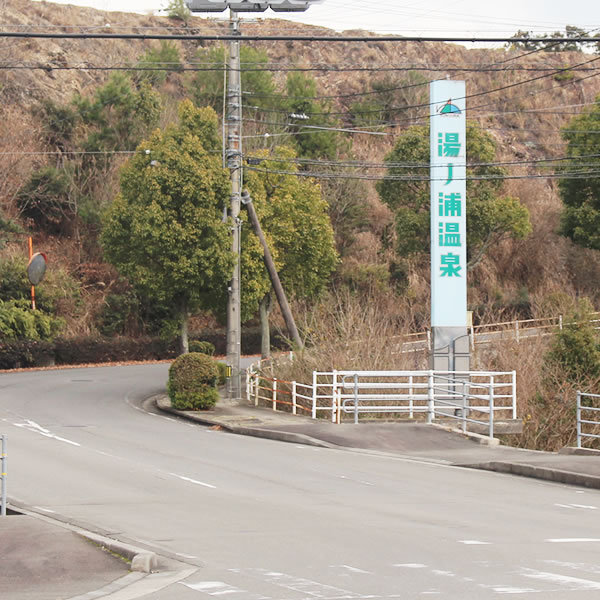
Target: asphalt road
{"type": "Point", "coordinates": [256, 519]}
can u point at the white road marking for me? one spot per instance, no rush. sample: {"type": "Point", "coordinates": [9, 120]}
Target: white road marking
{"type": "Point", "coordinates": [298, 584]}
{"type": "Point", "coordinates": [576, 506]}
{"type": "Point", "coordinates": [220, 588]}
{"type": "Point", "coordinates": [571, 540]}
{"type": "Point", "coordinates": [45, 509]}
{"type": "Point", "coordinates": [35, 428]}
{"type": "Point", "coordinates": [573, 583]}
{"type": "Point", "coordinates": [587, 568]}
{"type": "Point", "coordinates": [410, 565]}
{"type": "Point", "coordinates": [514, 590]}
{"type": "Point", "coordinates": [195, 481]}
{"type": "Point", "coordinates": [351, 569]}
{"type": "Point", "coordinates": [474, 543]}
{"type": "Point", "coordinates": [356, 480]}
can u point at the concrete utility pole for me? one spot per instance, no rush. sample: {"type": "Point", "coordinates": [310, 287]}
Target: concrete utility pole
{"type": "Point", "coordinates": [234, 162]}
{"type": "Point", "coordinates": [234, 158]}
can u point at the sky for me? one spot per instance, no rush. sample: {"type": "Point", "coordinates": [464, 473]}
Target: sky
{"type": "Point", "coordinates": [415, 17]}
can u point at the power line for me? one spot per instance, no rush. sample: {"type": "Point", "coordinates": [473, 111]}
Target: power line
{"type": "Point", "coordinates": [293, 38]}
{"type": "Point", "coordinates": [591, 174]}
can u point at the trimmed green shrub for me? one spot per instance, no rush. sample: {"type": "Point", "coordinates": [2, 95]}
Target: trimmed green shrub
{"type": "Point", "coordinates": [19, 354]}
{"type": "Point", "coordinates": [119, 349]}
{"type": "Point", "coordinates": [202, 347]}
{"type": "Point", "coordinates": [223, 371]}
{"type": "Point", "coordinates": [192, 382]}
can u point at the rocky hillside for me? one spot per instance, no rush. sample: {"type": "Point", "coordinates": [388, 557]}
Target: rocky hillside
{"type": "Point", "coordinates": [521, 98]}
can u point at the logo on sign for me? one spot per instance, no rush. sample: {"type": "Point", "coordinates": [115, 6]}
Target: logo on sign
{"type": "Point", "coordinates": [448, 109]}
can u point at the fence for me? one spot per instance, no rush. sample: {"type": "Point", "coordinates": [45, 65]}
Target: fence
{"type": "Point", "coordinates": [588, 419]}
{"type": "Point", "coordinates": [490, 332]}
{"type": "Point", "coordinates": [433, 394]}
{"type": "Point", "coordinates": [3, 459]}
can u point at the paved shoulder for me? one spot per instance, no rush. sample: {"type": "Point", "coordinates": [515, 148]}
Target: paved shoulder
{"type": "Point", "coordinates": [42, 561]}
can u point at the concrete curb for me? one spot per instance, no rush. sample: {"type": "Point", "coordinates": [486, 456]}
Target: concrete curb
{"type": "Point", "coordinates": [478, 438]}
{"type": "Point", "coordinates": [579, 451]}
{"type": "Point", "coordinates": [164, 404]}
{"type": "Point", "coordinates": [545, 473]}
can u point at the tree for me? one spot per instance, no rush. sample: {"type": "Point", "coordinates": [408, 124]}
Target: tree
{"type": "Point", "coordinates": [258, 87]}
{"type": "Point", "coordinates": [580, 191]}
{"type": "Point", "coordinates": [490, 216]}
{"type": "Point", "coordinates": [302, 101]}
{"type": "Point", "coordinates": [294, 217]}
{"type": "Point", "coordinates": [177, 9]}
{"type": "Point", "coordinates": [154, 65]}
{"type": "Point", "coordinates": [389, 95]}
{"type": "Point", "coordinates": [164, 231]}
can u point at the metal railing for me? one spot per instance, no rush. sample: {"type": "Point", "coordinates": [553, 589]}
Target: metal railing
{"type": "Point", "coordinates": [588, 417]}
{"type": "Point", "coordinates": [484, 334]}
{"type": "Point", "coordinates": [3, 460]}
{"type": "Point", "coordinates": [433, 394]}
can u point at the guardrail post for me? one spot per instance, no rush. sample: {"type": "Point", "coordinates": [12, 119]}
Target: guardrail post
{"type": "Point", "coordinates": [355, 399]}
{"type": "Point", "coordinates": [294, 405]}
{"type": "Point", "coordinates": [472, 337]}
{"type": "Point", "coordinates": [314, 395]}
{"type": "Point", "coordinates": [410, 393]}
{"type": "Point", "coordinates": [429, 339]}
{"type": "Point", "coordinates": [514, 394]}
{"type": "Point", "coordinates": [334, 400]}
{"type": "Point", "coordinates": [560, 322]}
{"type": "Point", "coordinates": [430, 398]}
{"type": "Point", "coordinates": [336, 397]}
{"type": "Point", "coordinates": [464, 407]}
{"type": "Point", "coordinates": [256, 388]}
{"type": "Point", "coordinates": [3, 476]}
{"type": "Point", "coordinates": [274, 393]}
{"type": "Point", "coordinates": [578, 419]}
{"type": "Point", "coordinates": [517, 331]}
{"type": "Point", "coordinates": [491, 421]}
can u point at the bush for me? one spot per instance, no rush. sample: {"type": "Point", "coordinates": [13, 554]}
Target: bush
{"type": "Point", "coordinates": [25, 353]}
{"type": "Point", "coordinates": [19, 321]}
{"type": "Point", "coordinates": [100, 350]}
{"type": "Point", "coordinates": [223, 373]}
{"type": "Point", "coordinates": [202, 347]}
{"type": "Point", "coordinates": [192, 381]}
{"type": "Point", "coordinates": [574, 355]}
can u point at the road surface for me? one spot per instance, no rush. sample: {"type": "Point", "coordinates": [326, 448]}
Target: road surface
{"type": "Point", "coordinates": [254, 519]}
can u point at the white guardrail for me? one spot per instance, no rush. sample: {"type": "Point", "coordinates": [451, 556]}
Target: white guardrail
{"type": "Point", "coordinates": [455, 395]}
{"type": "Point", "coordinates": [468, 396]}
{"type": "Point", "coordinates": [491, 332]}
{"type": "Point", "coordinates": [588, 417]}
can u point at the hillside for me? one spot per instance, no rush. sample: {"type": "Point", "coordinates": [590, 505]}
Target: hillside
{"type": "Point", "coordinates": [517, 278]}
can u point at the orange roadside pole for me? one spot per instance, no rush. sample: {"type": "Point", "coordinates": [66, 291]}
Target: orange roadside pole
{"type": "Point", "coordinates": [33, 286]}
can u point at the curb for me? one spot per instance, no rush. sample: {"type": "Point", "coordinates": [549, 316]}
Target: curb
{"type": "Point", "coordinates": [164, 404]}
{"type": "Point", "coordinates": [478, 438]}
{"type": "Point", "coordinates": [579, 451]}
{"type": "Point", "coordinates": [525, 470]}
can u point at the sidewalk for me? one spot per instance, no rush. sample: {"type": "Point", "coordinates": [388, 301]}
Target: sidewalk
{"type": "Point", "coordinates": [415, 440]}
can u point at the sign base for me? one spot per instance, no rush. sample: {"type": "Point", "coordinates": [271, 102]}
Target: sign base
{"type": "Point", "coordinates": [451, 351]}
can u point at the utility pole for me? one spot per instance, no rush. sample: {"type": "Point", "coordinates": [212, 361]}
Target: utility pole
{"type": "Point", "coordinates": [234, 163]}
{"type": "Point", "coordinates": [234, 158]}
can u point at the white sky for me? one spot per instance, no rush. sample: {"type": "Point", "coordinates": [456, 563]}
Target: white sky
{"type": "Point", "coordinates": [415, 17]}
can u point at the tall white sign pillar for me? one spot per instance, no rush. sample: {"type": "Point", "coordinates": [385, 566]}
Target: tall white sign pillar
{"type": "Point", "coordinates": [448, 226]}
